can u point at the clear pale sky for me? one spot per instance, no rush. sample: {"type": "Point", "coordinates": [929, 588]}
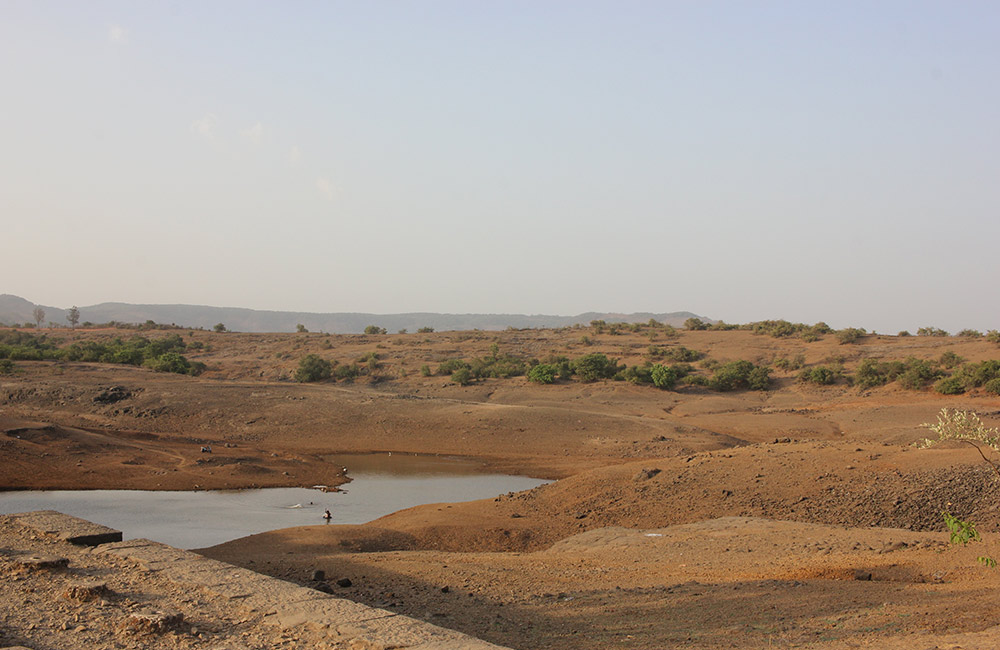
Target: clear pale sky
{"type": "Point", "coordinates": [835, 161]}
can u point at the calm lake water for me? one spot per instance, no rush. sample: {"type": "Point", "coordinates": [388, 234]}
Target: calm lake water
{"type": "Point", "coordinates": [381, 484]}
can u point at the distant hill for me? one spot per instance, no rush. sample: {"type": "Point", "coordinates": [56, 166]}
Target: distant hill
{"type": "Point", "coordinates": [14, 309]}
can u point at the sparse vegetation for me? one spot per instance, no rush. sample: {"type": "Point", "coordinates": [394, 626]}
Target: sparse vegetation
{"type": "Point", "coordinates": [740, 375]}
{"type": "Point", "coordinates": [931, 331]}
{"type": "Point", "coordinates": [850, 335]}
{"type": "Point", "coordinates": [822, 375]}
{"type": "Point", "coordinates": [312, 367]}
{"type": "Point", "coordinates": [374, 329]}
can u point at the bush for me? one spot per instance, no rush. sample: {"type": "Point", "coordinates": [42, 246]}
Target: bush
{"type": "Point", "coordinates": [850, 335]}
{"type": "Point", "coordinates": [904, 333]}
{"type": "Point", "coordinates": [794, 363]}
{"type": "Point", "coordinates": [992, 386]}
{"type": "Point", "coordinates": [740, 375]}
{"type": "Point", "coordinates": [695, 324]}
{"type": "Point", "coordinates": [347, 371]}
{"type": "Point", "coordinates": [6, 367]}
{"type": "Point", "coordinates": [917, 374]}
{"type": "Point", "coordinates": [665, 377]}
{"type": "Point", "coordinates": [592, 367]}
{"type": "Point", "coordinates": [220, 327]}
{"type": "Point", "coordinates": [425, 370]}
{"type": "Point", "coordinates": [451, 365]}
{"type": "Point", "coordinates": [543, 373]}
{"type": "Point", "coordinates": [823, 375]}
{"type": "Point", "coordinates": [950, 386]}
{"type": "Point", "coordinates": [312, 367]}
{"type": "Point", "coordinates": [970, 333]}
{"type": "Point", "coordinates": [462, 376]}
{"type": "Point", "coordinates": [949, 359]}
{"type": "Point", "coordinates": [425, 330]}
{"type": "Point", "coordinates": [931, 331]}
{"type": "Point", "coordinates": [993, 336]}
{"type": "Point", "coordinates": [375, 329]}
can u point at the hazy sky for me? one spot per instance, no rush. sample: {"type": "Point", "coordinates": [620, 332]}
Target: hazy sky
{"type": "Point", "coordinates": [834, 161]}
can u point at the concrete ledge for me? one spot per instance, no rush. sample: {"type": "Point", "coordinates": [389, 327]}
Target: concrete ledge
{"type": "Point", "coordinates": [65, 527]}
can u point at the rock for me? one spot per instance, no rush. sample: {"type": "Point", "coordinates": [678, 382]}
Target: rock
{"type": "Point", "coordinates": [645, 474]}
{"type": "Point", "coordinates": [445, 589]}
{"type": "Point", "coordinates": [344, 582]}
{"type": "Point", "coordinates": [319, 575]}
{"type": "Point", "coordinates": [112, 395]}
{"type": "Point", "coordinates": [86, 591]}
{"type": "Point", "coordinates": [861, 574]}
{"type": "Point", "coordinates": [32, 563]}
{"type": "Point", "coordinates": [151, 622]}
{"type": "Point", "coordinates": [324, 587]}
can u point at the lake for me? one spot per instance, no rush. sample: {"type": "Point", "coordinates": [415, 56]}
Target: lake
{"type": "Point", "coordinates": [381, 484]}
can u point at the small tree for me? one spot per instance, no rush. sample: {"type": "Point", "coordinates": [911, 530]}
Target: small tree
{"type": "Point", "coordinates": [39, 315]}
{"type": "Point", "coordinates": [695, 324]}
{"type": "Point", "coordinates": [219, 327]}
{"type": "Point", "coordinates": [73, 316]}
{"type": "Point", "coordinates": [375, 329]}
{"type": "Point", "coordinates": [312, 367]}
{"type": "Point", "coordinates": [301, 329]}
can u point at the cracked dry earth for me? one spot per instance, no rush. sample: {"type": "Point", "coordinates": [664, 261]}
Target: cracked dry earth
{"type": "Point", "coordinates": [58, 607]}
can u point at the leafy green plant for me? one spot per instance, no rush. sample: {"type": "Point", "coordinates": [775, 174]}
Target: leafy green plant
{"type": "Point", "coordinates": [462, 376]}
{"type": "Point", "coordinates": [695, 324]}
{"type": "Point", "coordinates": [931, 331]}
{"type": "Point", "coordinates": [591, 367]}
{"type": "Point", "coordinates": [822, 375]}
{"type": "Point", "coordinates": [962, 532]}
{"type": "Point", "coordinates": [313, 367]}
{"type": "Point", "coordinates": [374, 329]}
{"type": "Point", "coordinates": [7, 367]}
{"type": "Point", "coordinates": [543, 373]}
{"type": "Point", "coordinates": [425, 371]}
{"type": "Point", "coordinates": [740, 375]}
{"type": "Point", "coordinates": [850, 335]}
{"type": "Point", "coordinates": [970, 333]}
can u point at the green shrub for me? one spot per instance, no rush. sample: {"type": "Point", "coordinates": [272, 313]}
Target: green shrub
{"type": "Point", "coordinates": [970, 333]}
{"type": "Point", "coordinates": [462, 376]}
{"type": "Point", "coordinates": [993, 336]}
{"type": "Point", "coordinates": [696, 380]}
{"type": "Point", "coordinates": [904, 333]}
{"type": "Point", "coordinates": [451, 365]}
{"type": "Point", "coordinates": [931, 331]}
{"type": "Point", "coordinates": [347, 371]}
{"type": "Point", "coordinates": [543, 373]}
{"type": "Point", "coordinates": [721, 326]}
{"type": "Point", "coordinates": [6, 367]}
{"type": "Point", "coordinates": [312, 367]}
{"type": "Point", "coordinates": [665, 377]}
{"type": "Point", "coordinates": [592, 367]}
{"type": "Point", "coordinates": [737, 375]}
{"type": "Point", "coordinates": [374, 329]}
{"type": "Point", "coordinates": [425, 370]}
{"type": "Point", "coordinates": [917, 374]}
{"type": "Point", "coordinates": [823, 375]}
{"type": "Point", "coordinates": [636, 374]}
{"type": "Point", "coordinates": [949, 359]}
{"type": "Point", "coordinates": [796, 362]}
{"type": "Point", "coordinates": [992, 386]}
{"type": "Point", "coordinates": [950, 386]}
{"type": "Point", "coordinates": [850, 335]}
{"type": "Point", "coordinates": [695, 324]}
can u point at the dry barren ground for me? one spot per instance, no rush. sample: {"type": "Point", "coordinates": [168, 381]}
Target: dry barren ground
{"type": "Point", "coordinates": [682, 518]}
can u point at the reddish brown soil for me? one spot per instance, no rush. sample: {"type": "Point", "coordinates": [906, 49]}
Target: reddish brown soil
{"type": "Point", "coordinates": [749, 534]}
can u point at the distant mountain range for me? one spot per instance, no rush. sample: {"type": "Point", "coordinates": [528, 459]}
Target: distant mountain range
{"type": "Point", "coordinates": [14, 309]}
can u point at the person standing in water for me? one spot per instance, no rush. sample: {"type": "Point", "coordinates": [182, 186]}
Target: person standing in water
{"type": "Point", "coordinates": [327, 515]}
